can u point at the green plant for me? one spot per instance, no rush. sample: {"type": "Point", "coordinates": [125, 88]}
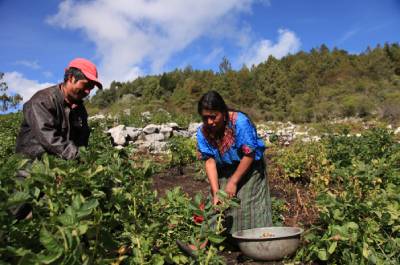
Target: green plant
{"type": "Point", "coordinates": [209, 221]}
{"type": "Point", "coordinates": [99, 209]}
{"type": "Point", "coordinates": [306, 162]}
{"type": "Point", "coordinates": [9, 126]}
{"type": "Point", "coordinates": [278, 208]}
{"type": "Point", "coordinates": [360, 210]}
{"type": "Point", "coordinates": [183, 152]}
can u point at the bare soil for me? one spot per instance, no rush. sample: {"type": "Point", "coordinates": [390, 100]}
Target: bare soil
{"type": "Point", "coordinates": [299, 201]}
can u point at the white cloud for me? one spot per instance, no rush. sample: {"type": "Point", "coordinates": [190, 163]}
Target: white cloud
{"type": "Point", "coordinates": [17, 83]}
{"type": "Point", "coordinates": [287, 43]}
{"type": "Point", "coordinates": [30, 64]}
{"type": "Point", "coordinates": [47, 74]}
{"type": "Point", "coordinates": [347, 35]}
{"type": "Point", "coordinates": [128, 33]}
{"type": "Point", "coordinates": [214, 54]}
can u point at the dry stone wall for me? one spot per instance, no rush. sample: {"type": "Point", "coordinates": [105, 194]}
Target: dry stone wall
{"type": "Point", "coordinates": [154, 137]}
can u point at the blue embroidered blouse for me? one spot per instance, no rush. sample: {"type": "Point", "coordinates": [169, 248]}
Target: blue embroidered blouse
{"type": "Point", "coordinates": [240, 138]}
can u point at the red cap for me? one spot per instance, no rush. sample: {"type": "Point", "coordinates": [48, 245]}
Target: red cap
{"type": "Point", "coordinates": [88, 69]}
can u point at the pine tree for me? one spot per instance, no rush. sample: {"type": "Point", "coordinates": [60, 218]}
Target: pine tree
{"type": "Point", "coordinates": [7, 101]}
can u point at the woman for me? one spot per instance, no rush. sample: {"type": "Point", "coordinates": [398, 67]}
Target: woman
{"type": "Point", "coordinates": [234, 161]}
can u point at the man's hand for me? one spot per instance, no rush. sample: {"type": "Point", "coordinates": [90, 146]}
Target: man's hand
{"type": "Point", "coordinates": [231, 189]}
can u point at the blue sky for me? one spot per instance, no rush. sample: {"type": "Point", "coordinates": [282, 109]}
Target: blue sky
{"type": "Point", "coordinates": [128, 38]}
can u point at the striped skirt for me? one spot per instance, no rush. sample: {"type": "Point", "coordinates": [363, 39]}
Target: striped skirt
{"type": "Point", "coordinates": [255, 200]}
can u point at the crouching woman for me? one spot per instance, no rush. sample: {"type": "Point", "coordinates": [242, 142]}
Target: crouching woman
{"type": "Point", "coordinates": [234, 161]}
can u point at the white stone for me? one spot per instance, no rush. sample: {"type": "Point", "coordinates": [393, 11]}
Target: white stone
{"type": "Point", "coordinates": [133, 133]}
{"type": "Point", "coordinates": [119, 138]}
{"type": "Point", "coordinates": [182, 133]}
{"type": "Point", "coordinates": [154, 137]}
{"type": "Point", "coordinates": [118, 134]}
{"type": "Point", "coordinates": [193, 127]}
{"type": "Point", "coordinates": [117, 128]}
{"type": "Point", "coordinates": [166, 131]}
{"type": "Point", "coordinates": [316, 138]}
{"type": "Point", "coordinates": [97, 117]}
{"type": "Point", "coordinates": [146, 114]}
{"type": "Point", "coordinates": [158, 147]}
{"type": "Point", "coordinates": [151, 128]}
{"type": "Point", "coordinates": [143, 146]}
{"type": "Point", "coordinates": [173, 125]}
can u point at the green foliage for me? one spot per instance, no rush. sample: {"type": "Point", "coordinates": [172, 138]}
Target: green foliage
{"type": "Point", "coordinates": [357, 106]}
{"type": "Point", "coordinates": [278, 208]}
{"type": "Point", "coordinates": [209, 227]}
{"type": "Point", "coordinates": [390, 107]}
{"type": "Point", "coordinates": [306, 162]}
{"type": "Point", "coordinates": [99, 209]}
{"type": "Point", "coordinates": [183, 152]}
{"type": "Point", "coordinates": [305, 87]}
{"type": "Point", "coordinates": [360, 210]}
{"type": "Point", "coordinates": [374, 143]}
{"type": "Point", "coordinates": [156, 115]}
{"type": "Point", "coordinates": [9, 127]}
{"type": "Point", "coordinates": [7, 101]}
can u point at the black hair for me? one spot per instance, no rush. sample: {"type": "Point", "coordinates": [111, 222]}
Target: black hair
{"type": "Point", "coordinates": [75, 72]}
{"type": "Point", "coordinates": [212, 100]}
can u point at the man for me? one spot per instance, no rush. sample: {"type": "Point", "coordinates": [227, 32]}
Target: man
{"type": "Point", "coordinates": [55, 119]}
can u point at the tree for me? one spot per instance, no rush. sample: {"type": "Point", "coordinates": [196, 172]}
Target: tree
{"type": "Point", "coordinates": [271, 84]}
{"type": "Point", "coordinates": [7, 101]}
{"type": "Point", "coordinates": [225, 66]}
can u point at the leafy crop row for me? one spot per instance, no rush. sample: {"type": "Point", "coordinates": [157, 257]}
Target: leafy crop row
{"type": "Point", "coordinates": [99, 209]}
{"type": "Point", "coordinates": [357, 181]}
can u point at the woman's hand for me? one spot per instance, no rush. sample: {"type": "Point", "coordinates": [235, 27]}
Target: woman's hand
{"type": "Point", "coordinates": [215, 199]}
{"type": "Point", "coordinates": [244, 165]}
{"type": "Point", "coordinates": [231, 189]}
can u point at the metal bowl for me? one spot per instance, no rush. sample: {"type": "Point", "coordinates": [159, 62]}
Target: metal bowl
{"type": "Point", "coordinates": [268, 243]}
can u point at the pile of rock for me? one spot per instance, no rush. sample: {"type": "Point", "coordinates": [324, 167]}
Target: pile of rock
{"type": "Point", "coordinates": [151, 138]}
{"type": "Point", "coordinates": [285, 132]}
{"type": "Point", "coordinates": [154, 137]}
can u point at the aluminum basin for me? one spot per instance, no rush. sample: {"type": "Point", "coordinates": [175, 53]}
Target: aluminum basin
{"type": "Point", "coordinates": [268, 243]}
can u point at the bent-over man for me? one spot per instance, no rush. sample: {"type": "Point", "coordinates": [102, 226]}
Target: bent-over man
{"type": "Point", "coordinates": [55, 119]}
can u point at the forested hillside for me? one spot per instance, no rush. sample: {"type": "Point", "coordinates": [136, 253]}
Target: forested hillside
{"type": "Point", "coordinates": [304, 87]}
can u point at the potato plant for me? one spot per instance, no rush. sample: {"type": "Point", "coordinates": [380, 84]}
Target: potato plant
{"type": "Point", "coordinates": [9, 127]}
{"type": "Point", "coordinates": [99, 209]}
{"type": "Point", "coordinates": [304, 162]}
{"type": "Point", "coordinates": [183, 152]}
{"type": "Point", "coordinates": [360, 210]}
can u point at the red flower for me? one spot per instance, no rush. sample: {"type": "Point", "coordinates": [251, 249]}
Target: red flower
{"type": "Point", "coordinates": [198, 219]}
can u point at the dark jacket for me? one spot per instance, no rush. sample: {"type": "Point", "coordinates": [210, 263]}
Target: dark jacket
{"type": "Point", "coordinates": [50, 125]}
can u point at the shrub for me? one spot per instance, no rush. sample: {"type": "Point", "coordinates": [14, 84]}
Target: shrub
{"type": "Point", "coordinates": [183, 152]}
{"type": "Point", "coordinates": [306, 162]}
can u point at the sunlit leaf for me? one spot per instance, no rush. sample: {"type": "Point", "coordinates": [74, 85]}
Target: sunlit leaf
{"type": "Point", "coordinates": [49, 241]}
